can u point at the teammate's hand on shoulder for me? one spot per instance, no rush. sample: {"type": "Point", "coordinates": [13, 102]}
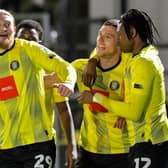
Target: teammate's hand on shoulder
{"type": "Point", "coordinates": [89, 74]}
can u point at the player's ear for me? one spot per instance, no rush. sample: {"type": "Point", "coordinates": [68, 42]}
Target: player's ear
{"type": "Point", "coordinates": [133, 32]}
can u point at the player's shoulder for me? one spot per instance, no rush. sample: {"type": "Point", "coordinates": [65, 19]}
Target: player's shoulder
{"type": "Point", "coordinates": [149, 56]}
{"type": "Point", "coordinates": [25, 43]}
{"type": "Point", "coordinates": [126, 55]}
{"type": "Point", "coordinates": [79, 62]}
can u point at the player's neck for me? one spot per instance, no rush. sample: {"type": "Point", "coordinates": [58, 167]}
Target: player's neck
{"type": "Point", "coordinates": [138, 46]}
{"type": "Point", "coordinates": [4, 48]}
{"type": "Point", "coordinates": [108, 62]}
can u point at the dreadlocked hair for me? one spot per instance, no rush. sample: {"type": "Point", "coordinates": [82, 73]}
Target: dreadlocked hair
{"type": "Point", "coordinates": [143, 24]}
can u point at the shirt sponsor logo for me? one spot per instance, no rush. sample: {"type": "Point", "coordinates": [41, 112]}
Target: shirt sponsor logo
{"type": "Point", "coordinates": [8, 88]}
{"type": "Point", "coordinates": [114, 85]}
{"type": "Point", "coordinates": [14, 65]}
{"type": "Point", "coordinates": [96, 107]}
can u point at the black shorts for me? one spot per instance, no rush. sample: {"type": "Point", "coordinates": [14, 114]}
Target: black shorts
{"type": "Point", "coordinates": [148, 155]}
{"type": "Point", "coordinates": [29, 156]}
{"type": "Point", "coordinates": [92, 160]}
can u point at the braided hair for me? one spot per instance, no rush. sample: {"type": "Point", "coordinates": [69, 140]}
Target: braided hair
{"type": "Point", "coordinates": [142, 22]}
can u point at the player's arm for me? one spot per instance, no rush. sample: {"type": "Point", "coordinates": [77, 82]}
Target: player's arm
{"type": "Point", "coordinates": [68, 76]}
{"type": "Point", "coordinates": [50, 79]}
{"type": "Point", "coordinates": [50, 61]}
{"type": "Point", "coordinates": [89, 73]}
{"type": "Point", "coordinates": [66, 120]}
{"type": "Point", "coordinates": [138, 93]}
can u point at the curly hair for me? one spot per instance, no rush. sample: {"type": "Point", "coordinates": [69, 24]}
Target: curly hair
{"type": "Point", "coordinates": [29, 23]}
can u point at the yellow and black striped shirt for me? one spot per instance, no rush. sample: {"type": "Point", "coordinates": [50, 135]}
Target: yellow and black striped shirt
{"type": "Point", "coordinates": [144, 98]}
{"type": "Point", "coordinates": [23, 116]}
{"type": "Point", "coordinates": [97, 133]}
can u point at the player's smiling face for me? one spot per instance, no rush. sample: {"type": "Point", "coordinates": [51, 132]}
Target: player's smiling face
{"type": "Point", "coordinates": [7, 31]}
{"type": "Point", "coordinates": [107, 41]}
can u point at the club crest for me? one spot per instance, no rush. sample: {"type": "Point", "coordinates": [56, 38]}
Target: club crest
{"type": "Point", "coordinates": [114, 85]}
{"type": "Point", "coordinates": [14, 65]}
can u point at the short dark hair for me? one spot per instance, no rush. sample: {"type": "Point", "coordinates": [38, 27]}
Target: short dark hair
{"type": "Point", "coordinates": [29, 23]}
{"type": "Point", "coordinates": [142, 22]}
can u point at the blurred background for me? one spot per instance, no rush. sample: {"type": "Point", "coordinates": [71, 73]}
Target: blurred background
{"type": "Point", "coordinates": [71, 28]}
